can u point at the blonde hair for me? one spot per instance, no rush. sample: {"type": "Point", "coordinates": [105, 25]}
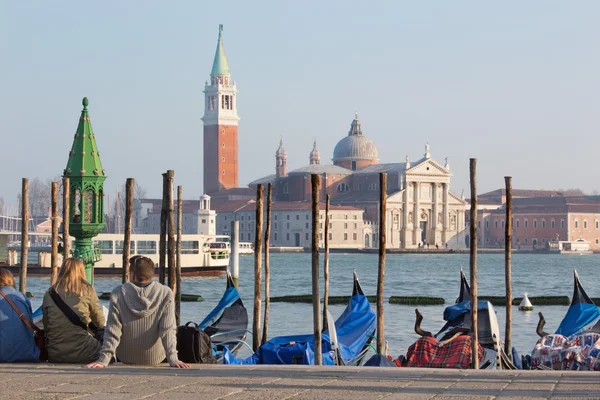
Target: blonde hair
{"type": "Point", "coordinates": [71, 278]}
{"type": "Point", "coordinates": [6, 278]}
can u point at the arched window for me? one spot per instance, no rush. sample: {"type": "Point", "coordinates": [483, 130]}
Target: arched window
{"type": "Point", "coordinates": [534, 223]}
{"type": "Point", "coordinates": [342, 187]}
{"type": "Point", "coordinates": [543, 224]}
{"type": "Point", "coordinates": [584, 224]}
{"type": "Point", "coordinates": [552, 224]}
{"type": "Point", "coordinates": [597, 224]}
{"type": "Point", "coordinates": [502, 224]}
{"type": "Point", "coordinates": [576, 224]}
{"type": "Point", "coordinates": [496, 224]}
{"type": "Point", "coordinates": [526, 221]}
{"type": "Point", "coordinates": [562, 224]}
{"type": "Point", "coordinates": [518, 224]}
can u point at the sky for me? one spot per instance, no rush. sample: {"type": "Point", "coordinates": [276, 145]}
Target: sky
{"type": "Point", "coordinates": [513, 84]}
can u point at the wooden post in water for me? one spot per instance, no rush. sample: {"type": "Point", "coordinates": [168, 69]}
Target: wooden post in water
{"type": "Point", "coordinates": [54, 221]}
{"type": "Point", "coordinates": [24, 235]}
{"type": "Point", "coordinates": [256, 337]}
{"type": "Point", "coordinates": [473, 265]}
{"type": "Point", "coordinates": [66, 218]}
{"type": "Point", "coordinates": [381, 266]}
{"type": "Point", "coordinates": [316, 299]}
{"type": "Point", "coordinates": [162, 247]}
{"type": "Point", "coordinates": [178, 256]}
{"type": "Point", "coordinates": [508, 267]}
{"type": "Point", "coordinates": [265, 332]}
{"type": "Point", "coordinates": [235, 252]}
{"type": "Point", "coordinates": [128, 222]}
{"type": "Point", "coordinates": [326, 265]}
{"type": "Point", "coordinates": [171, 232]}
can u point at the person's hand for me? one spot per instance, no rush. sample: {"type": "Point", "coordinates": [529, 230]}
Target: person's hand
{"type": "Point", "coordinates": [95, 364]}
{"type": "Point", "coordinates": [180, 364]}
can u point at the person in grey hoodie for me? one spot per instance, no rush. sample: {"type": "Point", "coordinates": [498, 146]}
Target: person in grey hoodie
{"type": "Point", "coordinates": [141, 327]}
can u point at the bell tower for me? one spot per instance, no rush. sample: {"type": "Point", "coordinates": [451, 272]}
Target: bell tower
{"type": "Point", "coordinates": [220, 126]}
{"type": "Point", "coordinates": [280, 160]}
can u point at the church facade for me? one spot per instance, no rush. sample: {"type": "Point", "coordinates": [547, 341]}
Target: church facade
{"type": "Point", "coordinates": [421, 209]}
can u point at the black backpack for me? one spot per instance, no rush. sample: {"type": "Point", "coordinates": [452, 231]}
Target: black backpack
{"type": "Point", "coordinates": [193, 345]}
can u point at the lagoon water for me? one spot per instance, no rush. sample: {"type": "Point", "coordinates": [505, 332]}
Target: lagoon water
{"type": "Point", "coordinates": [406, 275]}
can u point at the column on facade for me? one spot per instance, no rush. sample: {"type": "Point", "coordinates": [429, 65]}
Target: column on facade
{"type": "Point", "coordinates": [416, 238]}
{"type": "Point", "coordinates": [435, 226]}
{"type": "Point", "coordinates": [404, 237]}
{"type": "Point", "coordinates": [445, 211]}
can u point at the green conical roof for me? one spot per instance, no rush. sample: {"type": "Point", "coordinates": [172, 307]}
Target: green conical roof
{"type": "Point", "coordinates": [84, 158]}
{"type": "Point", "coordinates": [220, 66]}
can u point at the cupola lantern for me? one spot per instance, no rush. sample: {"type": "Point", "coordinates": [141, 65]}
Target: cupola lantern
{"type": "Point", "coordinates": [86, 177]}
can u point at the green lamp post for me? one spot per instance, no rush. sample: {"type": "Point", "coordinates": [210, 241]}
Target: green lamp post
{"type": "Point", "coordinates": [86, 178]}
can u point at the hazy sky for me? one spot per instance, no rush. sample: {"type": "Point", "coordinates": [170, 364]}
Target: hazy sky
{"type": "Point", "coordinates": [513, 83]}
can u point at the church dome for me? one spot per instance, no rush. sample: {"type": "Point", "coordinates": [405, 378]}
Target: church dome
{"type": "Point", "coordinates": [355, 146]}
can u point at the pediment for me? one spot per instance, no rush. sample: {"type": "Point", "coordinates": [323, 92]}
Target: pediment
{"type": "Point", "coordinates": [428, 167]}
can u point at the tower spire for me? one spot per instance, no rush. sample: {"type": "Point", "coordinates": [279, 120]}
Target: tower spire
{"type": "Point", "coordinates": [220, 66]}
{"type": "Point", "coordinates": [280, 160]}
{"type": "Point", "coordinates": [315, 157]}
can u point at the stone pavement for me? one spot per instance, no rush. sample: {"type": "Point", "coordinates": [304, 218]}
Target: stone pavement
{"type": "Point", "coordinates": [51, 381]}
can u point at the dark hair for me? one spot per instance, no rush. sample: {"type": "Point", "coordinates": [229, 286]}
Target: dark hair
{"type": "Point", "coordinates": [142, 267]}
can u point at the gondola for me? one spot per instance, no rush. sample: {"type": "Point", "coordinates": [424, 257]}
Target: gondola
{"type": "Point", "coordinates": [576, 343]}
{"type": "Point", "coordinates": [345, 343]}
{"type": "Point", "coordinates": [227, 323]}
{"type": "Point", "coordinates": [458, 322]}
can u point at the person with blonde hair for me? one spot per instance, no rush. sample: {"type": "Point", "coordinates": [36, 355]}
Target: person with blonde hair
{"type": "Point", "coordinates": [72, 315]}
{"type": "Point", "coordinates": [16, 338]}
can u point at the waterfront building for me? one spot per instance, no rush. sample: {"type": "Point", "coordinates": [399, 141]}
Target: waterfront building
{"type": "Point", "coordinates": [540, 217]}
{"type": "Point", "coordinates": [421, 208]}
{"type": "Point", "coordinates": [197, 216]}
{"type": "Point", "coordinates": [291, 224]}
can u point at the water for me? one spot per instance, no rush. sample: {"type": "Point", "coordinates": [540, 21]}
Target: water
{"type": "Point", "coordinates": [406, 275]}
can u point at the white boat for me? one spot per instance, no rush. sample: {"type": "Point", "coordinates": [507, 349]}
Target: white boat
{"type": "Point", "coordinates": [579, 246]}
{"type": "Point", "coordinates": [246, 248]}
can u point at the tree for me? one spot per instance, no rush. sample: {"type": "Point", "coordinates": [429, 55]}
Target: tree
{"type": "Point", "coordinates": [139, 193]}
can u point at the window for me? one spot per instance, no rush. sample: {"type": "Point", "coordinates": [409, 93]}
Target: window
{"type": "Point", "coordinates": [502, 224]}
{"type": "Point", "coordinates": [543, 224]}
{"type": "Point", "coordinates": [306, 216]}
{"type": "Point", "coordinates": [354, 236]}
{"type": "Point", "coordinates": [525, 240]}
{"type": "Point", "coordinates": [496, 224]}
{"type": "Point", "coordinates": [203, 221]}
{"type": "Point", "coordinates": [597, 241]}
{"type": "Point", "coordinates": [287, 236]}
{"type": "Point", "coordinates": [353, 165]}
{"type": "Point", "coordinates": [242, 236]}
{"type": "Point", "coordinates": [355, 225]}
{"type": "Point", "coordinates": [105, 246]}
{"type": "Point", "coordinates": [584, 224]}
{"type": "Point", "coordinates": [518, 223]}
{"type": "Point", "coordinates": [242, 217]}
{"type": "Point", "coordinates": [330, 225]}
{"type": "Point", "coordinates": [307, 225]}
{"type": "Point", "coordinates": [562, 224]}
{"type": "Point", "coordinates": [288, 225]}
{"type": "Point", "coordinates": [345, 225]}
{"type": "Point", "coordinates": [355, 217]}
{"type": "Point", "coordinates": [306, 235]}
{"type": "Point", "coordinates": [330, 236]}
{"type": "Point", "coordinates": [225, 227]}
{"type": "Point", "coordinates": [285, 188]}
{"type": "Point", "coordinates": [487, 224]}
{"type": "Point", "coordinates": [223, 172]}
{"type": "Point", "coordinates": [297, 217]}
{"type": "Point", "coordinates": [190, 247]}
{"type": "Point", "coordinates": [275, 225]}
{"type": "Point", "coordinates": [373, 187]}
{"type": "Point", "coordinates": [342, 187]}
{"type": "Point", "coordinates": [597, 224]}
{"type": "Point", "coordinates": [242, 225]}
{"type": "Point", "coordinates": [479, 224]}
{"type": "Point", "coordinates": [552, 224]}
{"type": "Point", "coordinates": [345, 236]}
{"type": "Point", "coordinates": [576, 224]}
{"type": "Point", "coordinates": [119, 247]}
{"type": "Point", "coordinates": [534, 223]}
{"type": "Point", "coordinates": [275, 217]}
{"type": "Point", "coordinates": [288, 217]}
{"type": "Point", "coordinates": [275, 236]}
{"type": "Point", "coordinates": [526, 223]}
{"type": "Point", "coordinates": [223, 159]}
{"type": "Point", "coordinates": [543, 240]}
{"type": "Point", "coordinates": [321, 225]}
{"type": "Point", "coordinates": [223, 145]}
{"type": "Point", "coordinates": [346, 216]}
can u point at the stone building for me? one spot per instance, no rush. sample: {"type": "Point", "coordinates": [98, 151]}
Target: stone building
{"type": "Point", "coordinates": [291, 224]}
{"type": "Point", "coordinates": [421, 208]}
{"type": "Point", "coordinates": [197, 216]}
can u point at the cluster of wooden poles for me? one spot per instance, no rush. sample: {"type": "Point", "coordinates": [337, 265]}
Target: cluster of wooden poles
{"type": "Point", "coordinates": [320, 317]}
{"type": "Point", "coordinates": [169, 246]}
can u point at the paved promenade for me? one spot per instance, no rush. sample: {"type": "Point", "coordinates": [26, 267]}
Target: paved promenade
{"type": "Point", "coordinates": [18, 381]}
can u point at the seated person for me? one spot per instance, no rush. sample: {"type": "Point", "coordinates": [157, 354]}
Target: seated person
{"type": "Point", "coordinates": [16, 338]}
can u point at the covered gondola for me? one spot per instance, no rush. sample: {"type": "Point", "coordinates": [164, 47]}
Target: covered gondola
{"type": "Point", "coordinates": [227, 323]}
{"type": "Point", "coordinates": [458, 322]}
{"type": "Point", "coordinates": [345, 343]}
{"type": "Point", "coordinates": [576, 343]}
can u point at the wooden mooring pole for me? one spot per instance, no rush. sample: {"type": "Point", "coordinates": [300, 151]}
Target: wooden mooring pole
{"type": "Point", "coordinates": [256, 337]}
{"type": "Point", "coordinates": [162, 247]}
{"type": "Point", "coordinates": [265, 331]}
{"type": "Point", "coordinates": [508, 267]}
{"type": "Point", "coordinates": [381, 266]}
{"type": "Point", "coordinates": [24, 235]}
{"type": "Point", "coordinates": [178, 256]}
{"type": "Point", "coordinates": [171, 232]}
{"type": "Point", "coordinates": [127, 232]}
{"type": "Point", "coordinates": [326, 264]}
{"type": "Point", "coordinates": [473, 265]}
{"type": "Point", "coordinates": [316, 299]}
{"type": "Point", "coordinates": [54, 230]}
{"type": "Point", "coordinates": [66, 218]}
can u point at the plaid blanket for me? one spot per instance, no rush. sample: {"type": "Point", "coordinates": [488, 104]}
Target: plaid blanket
{"type": "Point", "coordinates": [578, 352]}
{"type": "Point", "coordinates": [428, 352]}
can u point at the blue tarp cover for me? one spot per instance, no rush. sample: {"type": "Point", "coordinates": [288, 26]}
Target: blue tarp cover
{"type": "Point", "coordinates": [582, 314]}
{"type": "Point", "coordinates": [354, 328]}
{"type": "Point", "coordinates": [230, 296]}
{"type": "Point", "coordinates": [456, 310]}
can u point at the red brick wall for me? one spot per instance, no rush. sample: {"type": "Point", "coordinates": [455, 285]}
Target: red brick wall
{"type": "Point", "coordinates": [359, 164]}
{"type": "Point", "coordinates": [589, 232]}
{"type": "Point", "coordinates": [524, 236]}
{"type": "Point", "coordinates": [220, 143]}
